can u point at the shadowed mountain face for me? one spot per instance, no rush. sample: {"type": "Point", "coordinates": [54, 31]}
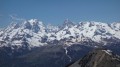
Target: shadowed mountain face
{"type": "Point", "coordinates": [33, 44]}
{"type": "Point", "coordinates": [98, 58]}
{"type": "Point", "coordinates": [46, 56]}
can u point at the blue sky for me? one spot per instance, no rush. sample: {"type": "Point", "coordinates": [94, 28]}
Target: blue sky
{"type": "Point", "coordinates": [56, 11]}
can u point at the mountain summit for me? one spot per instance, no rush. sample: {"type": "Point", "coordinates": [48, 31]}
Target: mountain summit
{"type": "Point", "coordinates": [35, 33]}
{"type": "Point", "coordinates": [33, 44]}
{"type": "Point", "coordinates": [98, 58]}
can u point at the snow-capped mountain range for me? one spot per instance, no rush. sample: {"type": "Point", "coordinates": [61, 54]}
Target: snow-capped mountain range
{"type": "Point", "coordinates": [34, 33]}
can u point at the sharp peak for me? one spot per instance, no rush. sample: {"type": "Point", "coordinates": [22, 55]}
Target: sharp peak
{"type": "Point", "coordinates": [67, 21]}
{"type": "Point", "coordinates": [33, 21]}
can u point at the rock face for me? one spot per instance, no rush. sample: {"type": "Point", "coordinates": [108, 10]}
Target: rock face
{"type": "Point", "coordinates": [44, 56]}
{"type": "Point", "coordinates": [36, 34]}
{"type": "Point", "coordinates": [33, 44]}
{"type": "Point", "coordinates": [98, 58]}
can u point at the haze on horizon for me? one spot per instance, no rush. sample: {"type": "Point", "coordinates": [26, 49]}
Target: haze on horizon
{"type": "Point", "coordinates": [56, 11]}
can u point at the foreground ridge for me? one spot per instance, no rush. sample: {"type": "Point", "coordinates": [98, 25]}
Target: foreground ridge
{"type": "Point", "coordinates": [98, 58]}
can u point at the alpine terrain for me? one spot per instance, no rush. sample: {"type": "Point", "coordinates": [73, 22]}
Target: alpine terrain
{"type": "Point", "coordinates": [33, 44]}
{"type": "Point", "coordinates": [98, 58]}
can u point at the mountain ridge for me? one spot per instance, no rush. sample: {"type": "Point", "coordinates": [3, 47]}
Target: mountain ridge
{"type": "Point", "coordinates": [98, 58]}
{"type": "Point", "coordinates": [35, 33]}
{"type": "Point", "coordinates": [33, 44]}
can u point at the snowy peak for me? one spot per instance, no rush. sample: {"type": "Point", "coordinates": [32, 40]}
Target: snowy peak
{"type": "Point", "coordinates": [51, 29]}
{"type": "Point", "coordinates": [27, 32]}
{"type": "Point", "coordinates": [33, 25]}
{"type": "Point", "coordinates": [33, 22]}
{"type": "Point", "coordinates": [68, 23]}
{"type": "Point", "coordinates": [36, 33]}
{"type": "Point", "coordinates": [115, 26]}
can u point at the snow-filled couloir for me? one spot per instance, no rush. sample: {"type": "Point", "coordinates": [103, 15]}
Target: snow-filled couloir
{"type": "Point", "coordinates": [35, 33]}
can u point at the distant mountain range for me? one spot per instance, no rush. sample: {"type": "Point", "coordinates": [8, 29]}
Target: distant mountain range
{"type": "Point", "coordinates": [32, 44]}
{"type": "Point", "coordinates": [35, 33]}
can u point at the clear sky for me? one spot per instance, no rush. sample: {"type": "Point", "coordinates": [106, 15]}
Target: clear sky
{"type": "Point", "coordinates": [56, 11]}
